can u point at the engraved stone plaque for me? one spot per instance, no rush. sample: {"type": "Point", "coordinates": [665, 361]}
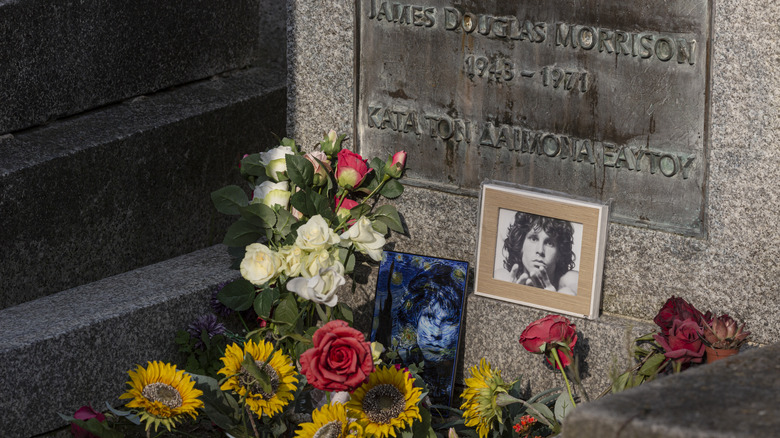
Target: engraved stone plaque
{"type": "Point", "coordinates": [604, 99]}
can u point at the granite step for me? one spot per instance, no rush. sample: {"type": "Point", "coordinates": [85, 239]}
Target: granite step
{"type": "Point", "coordinates": [63, 58]}
{"type": "Point", "coordinates": [734, 397]}
{"type": "Point", "coordinates": [74, 348]}
{"type": "Point", "coordinates": [128, 185]}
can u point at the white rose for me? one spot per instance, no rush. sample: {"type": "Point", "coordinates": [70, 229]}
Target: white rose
{"type": "Point", "coordinates": [260, 265]}
{"type": "Point", "coordinates": [271, 193]}
{"type": "Point", "coordinates": [316, 261]}
{"type": "Point", "coordinates": [275, 162]}
{"type": "Point", "coordinates": [321, 288]}
{"type": "Point", "coordinates": [316, 234]}
{"type": "Point", "coordinates": [292, 257]}
{"type": "Point", "coordinates": [365, 238]}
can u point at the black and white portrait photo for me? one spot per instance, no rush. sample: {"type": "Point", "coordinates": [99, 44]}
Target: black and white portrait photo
{"type": "Point", "coordinates": [538, 251]}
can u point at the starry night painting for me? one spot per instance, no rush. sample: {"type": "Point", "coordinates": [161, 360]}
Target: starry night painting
{"type": "Point", "coordinates": [418, 309]}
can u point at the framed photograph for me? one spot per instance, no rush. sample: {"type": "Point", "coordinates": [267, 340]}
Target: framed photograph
{"type": "Point", "coordinates": [418, 310]}
{"type": "Point", "coordinates": [541, 250]}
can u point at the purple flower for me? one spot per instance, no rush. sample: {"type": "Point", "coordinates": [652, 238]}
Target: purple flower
{"type": "Point", "coordinates": [209, 324]}
{"type": "Point", "coordinates": [216, 305]}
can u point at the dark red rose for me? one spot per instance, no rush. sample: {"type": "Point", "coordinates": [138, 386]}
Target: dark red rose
{"type": "Point", "coordinates": [340, 359]}
{"type": "Point", "coordinates": [85, 413]}
{"type": "Point", "coordinates": [552, 331]}
{"type": "Point", "coordinates": [676, 309]}
{"type": "Point", "coordinates": [683, 343]}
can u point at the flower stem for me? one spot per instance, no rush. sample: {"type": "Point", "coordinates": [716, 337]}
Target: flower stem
{"type": "Point", "coordinates": [252, 420]}
{"type": "Point", "coordinates": [377, 189]}
{"type": "Point", "coordinates": [565, 379]}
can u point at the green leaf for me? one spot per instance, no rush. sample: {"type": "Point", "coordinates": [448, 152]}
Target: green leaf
{"type": "Point", "coordinates": [228, 199]}
{"type": "Point", "coordinates": [304, 202]}
{"type": "Point", "coordinates": [284, 221]}
{"type": "Point", "coordinates": [651, 365]}
{"type": "Point", "coordinates": [392, 189]}
{"type": "Point", "coordinates": [388, 215]}
{"type": "Point", "coordinates": [422, 428]}
{"type": "Point", "coordinates": [359, 210]}
{"type": "Point", "coordinates": [289, 142]}
{"type": "Point", "coordinates": [300, 170]}
{"type": "Point", "coordinates": [346, 312]}
{"type": "Point", "coordinates": [544, 410]}
{"type": "Point", "coordinates": [251, 165]}
{"type": "Point", "coordinates": [323, 207]}
{"type": "Point", "coordinates": [264, 302]}
{"type": "Point", "coordinates": [242, 233]}
{"type": "Point", "coordinates": [379, 167]}
{"type": "Point", "coordinates": [379, 226]}
{"type": "Point", "coordinates": [238, 295]}
{"type": "Point", "coordinates": [220, 406]}
{"type": "Point", "coordinates": [287, 310]}
{"type": "Point", "coordinates": [131, 417]}
{"type": "Point", "coordinates": [259, 374]}
{"type": "Point", "coordinates": [563, 406]}
{"type": "Point", "coordinates": [259, 215]}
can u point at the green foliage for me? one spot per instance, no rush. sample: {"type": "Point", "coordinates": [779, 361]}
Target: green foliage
{"type": "Point", "coordinates": [205, 359]}
{"type": "Point", "coordinates": [228, 200]}
{"type": "Point", "coordinates": [238, 295]}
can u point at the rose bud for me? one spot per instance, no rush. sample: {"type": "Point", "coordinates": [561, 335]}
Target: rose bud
{"type": "Point", "coordinates": [395, 166]}
{"type": "Point", "coordinates": [331, 143]}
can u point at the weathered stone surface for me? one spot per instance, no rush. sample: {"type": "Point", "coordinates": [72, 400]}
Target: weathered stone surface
{"type": "Point", "coordinates": [128, 185]}
{"type": "Point", "coordinates": [73, 348]}
{"type": "Point", "coordinates": [63, 58]}
{"type": "Point", "coordinates": [735, 397]}
{"type": "Point", "coordinates": [734, 268]}
{"type": "Point", "coordinates": [320, 58]}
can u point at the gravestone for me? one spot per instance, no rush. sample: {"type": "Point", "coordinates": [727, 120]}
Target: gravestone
{"type": "Point", "coordinates": [594, 99]}
{"type": "Point", "coordinates": [720, 257]}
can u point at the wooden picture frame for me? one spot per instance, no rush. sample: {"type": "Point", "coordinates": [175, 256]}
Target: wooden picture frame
{"type": "Point", "coordinates": [541, 250]}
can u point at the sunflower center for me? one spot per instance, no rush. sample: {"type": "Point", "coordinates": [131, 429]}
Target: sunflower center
{"type": "Point", "coordinates": [163, 393]}
{"type": "Point", "coordinates": [330, 430]}
{"type": "Point", "coordinates": [383, 403]}
{"type": "Point", "coordinates": [254, 386]}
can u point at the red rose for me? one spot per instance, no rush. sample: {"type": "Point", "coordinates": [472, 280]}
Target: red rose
{"type": "Point", "coordinates": [551, 332]}
{"type": "Point", "coordinates": [683, 343]}
{"type": "Point", "coordinates": [340, 359]}
{"type": "Point", "coordinates": [395, 166]}
{"type": "Point", "coordinates": [85, 413]}
{"type": "Point", "coordinates": [675, 309]}
{"type": "Point", "coordinates": [350, 169]}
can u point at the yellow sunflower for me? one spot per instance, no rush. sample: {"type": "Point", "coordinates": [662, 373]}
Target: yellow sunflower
{"type": "Point", "coordinates": [162, 394]}
{"type": "Point", "coordinates": [280, 371]}
{"type": "Point", "coordinates": [482, 388]}
{"type": "Point", "coordinates": [386, 403]}
{"type": "Point", "coordinates": [330, 421]}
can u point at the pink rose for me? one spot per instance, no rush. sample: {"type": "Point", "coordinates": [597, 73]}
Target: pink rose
{"type": "Point", "coordinates": [683, 343]}
{"type": "Point", "coordinates": [85, 413]}
{"type": "Point", "coordinates": [340, 359]}
{"type": "Point", "coordinates": [350, 169]}
{"type": "Point", "coordinates": [320, 170]}
{"type": "Point", "coordinates": [552, 331]}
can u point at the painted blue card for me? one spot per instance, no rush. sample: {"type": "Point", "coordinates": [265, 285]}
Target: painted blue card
{"type": "Point", "coordinates": [418, 311]}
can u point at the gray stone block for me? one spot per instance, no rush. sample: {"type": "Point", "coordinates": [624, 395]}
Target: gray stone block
{"type": "Point", "coordinates": [62, 58]}
{"type": "Point", "coordinates": [735, 397]}
{"type": "Point", "coordinates": [74, 347]}
{"type": "Point", "coordinates": [128, 185]}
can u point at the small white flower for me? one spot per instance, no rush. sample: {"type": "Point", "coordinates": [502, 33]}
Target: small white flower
{"type": "Point", "coordinates": [275, 162]}
{"type": "Point", "coordinates": [315, 234]}
{"type": "Point", "coordinates": [367, 240]}
{"type": "Point", "coordinates": [321, 288]}
{"type": "Point", "coordinates": [292, 256]}
{"type": "Point", "coordinates": [271, 193]}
